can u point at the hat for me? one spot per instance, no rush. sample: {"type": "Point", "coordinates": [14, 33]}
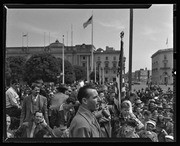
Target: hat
{"type": "Point", "coordinates": [138, 101]}
{"type": "Point", "coordinates": [62, 87]}
{"type": "Point", "coordinates": [156, 97]}
{"type": "Point", "coordinates": [151, 100]}
{"type": "Point", "coordinates": [151, 122]}
{"type": "Point", "coordinates": [169, 137]}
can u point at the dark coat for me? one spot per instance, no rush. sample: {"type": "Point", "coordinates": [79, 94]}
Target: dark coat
{"type": "Point", "coordinates": [84, 124]}
{"type": "Point", "coordinates": [27, 108]}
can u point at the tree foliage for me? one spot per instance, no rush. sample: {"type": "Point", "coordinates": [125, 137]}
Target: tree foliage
{"type": "Point", "coordinates": [44, 66]}
{"type": "Point", "coordinates": [92, 76]}
{"type": "Point", "coordinates": [68, 71]}
{"type": "Point", "coordinates": [80, 72]}
{"type": "Point", "coordinates": [15, 67]}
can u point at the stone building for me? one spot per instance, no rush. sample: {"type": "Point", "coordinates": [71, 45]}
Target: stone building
{"type": "Point", "coordinates": [105, 61]}
{"type": "Point", "coordinates": [162, 66]}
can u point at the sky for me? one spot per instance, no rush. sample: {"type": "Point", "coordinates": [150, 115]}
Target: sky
{"type": "Point", "coordinates": [151, 29]}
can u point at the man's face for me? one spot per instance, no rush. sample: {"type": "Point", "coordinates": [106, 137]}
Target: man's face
{"type": "Point", "coordinates": [36, 91]}
{"type": "Point", "coordinates": [150, 127]}
{"type": "Point", "coordinates": [92, 101]}
{"type": "Point", "coordinates": [8, 121]}
{"type": "Point", "coordinates": [38, 117]}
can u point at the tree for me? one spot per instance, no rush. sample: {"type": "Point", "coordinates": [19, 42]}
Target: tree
{"type": "Point", "coordinates": [69, 77]}
{"type": "Point", "coordinates": [44, 66]}
{"type": "Point", "coordinates": [80, 72]}
{"type": "Point", "coordinates": [7, 73]}
{"type": "Point", "coordinates": [16, 65]}
{"type": "Point", "coordinates": [92, 76]}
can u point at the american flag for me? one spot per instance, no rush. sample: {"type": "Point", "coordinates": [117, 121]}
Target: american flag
{"type": "Point", "coordinates": [119, 77]}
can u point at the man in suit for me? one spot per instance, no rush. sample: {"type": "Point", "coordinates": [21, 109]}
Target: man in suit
{"type": "Point", "coordinates": [31, 128]}
{"type": "Point", "coordinates": [85, 124]}
{"type": "Point", "coordinates": [33, 103]}
{"type": "Point", "coordinates": [62, 117]}
{"type": "Point", "coordinates": [57, 100]}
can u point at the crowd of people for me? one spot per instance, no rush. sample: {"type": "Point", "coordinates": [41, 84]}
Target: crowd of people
{"type": "Point", "coordinates": [88, 110]}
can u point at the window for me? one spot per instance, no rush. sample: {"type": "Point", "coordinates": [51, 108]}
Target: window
{"type": "Point", "coordinates": [84, 64]}
{"type": "Point", "coordinates": [165, 57]}
{"type": "Point", "coordinates": [114, 64]}
{"type": "Point", "coordinates": [106, 71]}
{"type": "Point", "coordinates": [84, 57]}
{"type": "Point", "coordinates": [114, 57]}
{"type": "Point", "coordinates": [99, 58]}
{"type": "Point", "coordinates": [106, 58]}
{"type": "Point", "coordinates": [106, 65]}
{"type": "Point", "coordinates": [114, 72]}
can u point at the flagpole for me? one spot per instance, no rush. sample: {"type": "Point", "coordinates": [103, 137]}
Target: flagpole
{"type": "Point", "coordinates": [92, 46]}
{"type": "Point", "coordinates": [44, 39]}
{"type": "Point", "coordinates": [87, 69]}
{"type": "Point", "coordinates": [27, 41]}
{"type": "Point", "coordinates": [63, 60]}
{"type": "Point", "coordinates": [67, 38]}
{"type": "Point", "coordinates": [71, 35]}
{"type": "Point", "coordinates": [22, 40]}
{"type": "Point", "coordinates": [130, 48]}
{"type": "Point", "coordinates": [95, 70]}
{"type": "Point", "coordinates": [49, 38]}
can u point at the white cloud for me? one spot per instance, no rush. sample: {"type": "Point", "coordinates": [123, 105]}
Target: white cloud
{"type": "Point", "coordinates": [113, 24]}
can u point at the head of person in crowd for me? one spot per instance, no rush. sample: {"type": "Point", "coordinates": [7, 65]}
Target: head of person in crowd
{"type": "Point", "coordinates": [126, 108]}
{"type": "Point", "coordinates": [169, 138]}
{"type": "Point", "coordinates": [15, 84]}
{"type": "Point", "coordinates": [147, 115]}
{"type": "Point", "coordinates": [104, 89]}
{"type": "Point", "coordinates": [139, 103]}
{"type": "Point", "coordinates": [38, 117]}
{"type": "Point", "coordinates": [39, 82]}
{"type": "Point", "coordinates": [62, 88]}
{"type": "Point", "coordinates": [35, 89]}
{"type": "Point", "coordinates": [150, 125]}
{"type": "Point", "coordinates": [69, 104]}
{"type": "Point", "coordinates": [132, 97]}
{"type": "Point", "coordinates": [112, 95]}
{"type": "Point", "coordinates": [8, 121]}
{"type": "Point", "coordinates": [128, 131]}
{"type": "Point", "coordinates": [88, 97]}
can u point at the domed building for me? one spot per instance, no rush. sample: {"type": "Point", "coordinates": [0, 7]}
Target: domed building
{"type": "Point", "coordinates": [105, 61]}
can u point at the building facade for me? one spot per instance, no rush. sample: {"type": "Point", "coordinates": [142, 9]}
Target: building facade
{"type": "Point", "coordinates": [162, 66]}
{"type": "Point", "coordinates": [142, 75]}
{"type": "Point", "coordinates": [105, 62]}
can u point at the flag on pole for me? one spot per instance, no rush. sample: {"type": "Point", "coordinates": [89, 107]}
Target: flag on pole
{"type": "Point", "coordinates": [89, 21]}
{"type": "Point", "coordinates": [117, 87]}
{"type": "Point", "coordinates": [24, 35]}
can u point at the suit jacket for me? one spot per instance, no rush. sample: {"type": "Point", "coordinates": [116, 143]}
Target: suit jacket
{"type": "Point", "coordinates": [57, 118]}
{"type": "Point", "coordinates": [27, 108]}
{"type": "Point", "coordinates": [84, 124]}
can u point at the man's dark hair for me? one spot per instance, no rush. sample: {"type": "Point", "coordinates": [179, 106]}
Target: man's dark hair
{"type": "Point", "coordinates": [70, 100]}
{"type": "Point", "coordinates": [39, 111]}
{"type": "Point", "coordinates": [83, 92]}
{"type": "Point", "coordinates": [34, 85]}
{"type": "Point", "coordinates": [14, 81]}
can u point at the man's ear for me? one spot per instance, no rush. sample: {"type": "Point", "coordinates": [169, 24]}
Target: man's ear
{"type": "Point", "coordinates": [84, 100]}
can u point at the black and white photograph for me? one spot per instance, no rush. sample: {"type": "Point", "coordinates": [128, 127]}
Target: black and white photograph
{"type": "Point", "coordinates": [79, 72]}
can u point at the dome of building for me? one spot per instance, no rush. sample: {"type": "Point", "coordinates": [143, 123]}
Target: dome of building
{"type": "Point", "coordinates": [56, 44]}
